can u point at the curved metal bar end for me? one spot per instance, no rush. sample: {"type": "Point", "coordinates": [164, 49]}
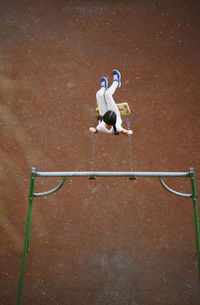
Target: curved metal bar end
{"type": "Point", "coordinates": [172, 191]}
{"type": "Point", "coordinates": [51, 191]}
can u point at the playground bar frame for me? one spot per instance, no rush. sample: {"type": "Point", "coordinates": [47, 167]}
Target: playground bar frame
{"type": "Point", "coordinates": [93, 175]}
{"type": "Point", "coordinates": [112, 174]}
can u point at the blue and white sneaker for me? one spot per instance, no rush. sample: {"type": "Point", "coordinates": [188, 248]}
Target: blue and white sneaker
{"type": "Point", "coordinates": [117, 77]}
{"type": "Point", "coordinates": [104, 83]}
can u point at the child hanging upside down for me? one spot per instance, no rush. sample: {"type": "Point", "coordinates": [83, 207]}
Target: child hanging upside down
{"type": "Point", "coordinates": [110, 118]}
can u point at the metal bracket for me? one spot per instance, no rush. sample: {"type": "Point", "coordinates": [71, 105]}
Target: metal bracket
{"type": "Point", "coordinates": [172, 191]}
{"type": "Point", "coordinates": [51, 191]}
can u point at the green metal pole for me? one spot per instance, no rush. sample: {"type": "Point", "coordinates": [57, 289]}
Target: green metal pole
{"type": "Point", "coordinates": [26, 238]}
{"type": "Point", "coordinates": [196, 223]}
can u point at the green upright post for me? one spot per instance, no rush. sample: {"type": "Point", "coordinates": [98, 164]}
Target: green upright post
{"type": "Point", "coordinates": [26, 238]}
{"type": "Point", "coordinates": [196, 222]}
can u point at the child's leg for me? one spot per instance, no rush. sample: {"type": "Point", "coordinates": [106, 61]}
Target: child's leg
{"type": "Point", "coordinates": [109, 98]}
{"type": "Point", "coordinates": [101, 103]}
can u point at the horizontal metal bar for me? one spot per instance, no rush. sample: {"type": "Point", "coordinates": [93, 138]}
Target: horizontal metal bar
{"type": "Point", "coordinates": [112, 174]}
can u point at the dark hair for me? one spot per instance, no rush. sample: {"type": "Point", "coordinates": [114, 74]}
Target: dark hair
{"type": "Point", "coordinates": [109, 118]}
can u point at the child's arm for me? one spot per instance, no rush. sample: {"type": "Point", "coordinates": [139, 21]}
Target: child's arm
{"type": "Point", "coordinates": [93, 130]}
{"type": "Point", "coordinates": [127, 132]}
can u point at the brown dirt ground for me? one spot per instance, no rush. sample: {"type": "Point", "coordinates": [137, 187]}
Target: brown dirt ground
{"type": "Point", "coordinates": [108, 241]}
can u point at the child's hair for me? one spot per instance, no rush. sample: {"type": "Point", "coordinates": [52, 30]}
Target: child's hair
{"type": "Point", "coordinates": [109, 118]}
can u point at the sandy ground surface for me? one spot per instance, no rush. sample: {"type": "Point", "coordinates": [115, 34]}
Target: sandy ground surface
{"type": "Point", "coordinates": [108, 241]}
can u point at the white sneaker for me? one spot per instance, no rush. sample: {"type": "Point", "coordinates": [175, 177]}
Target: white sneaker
{"type": "Point", "coordinates": [117, 77]}
{"type": "Point", "coordinates": [104, 83]}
